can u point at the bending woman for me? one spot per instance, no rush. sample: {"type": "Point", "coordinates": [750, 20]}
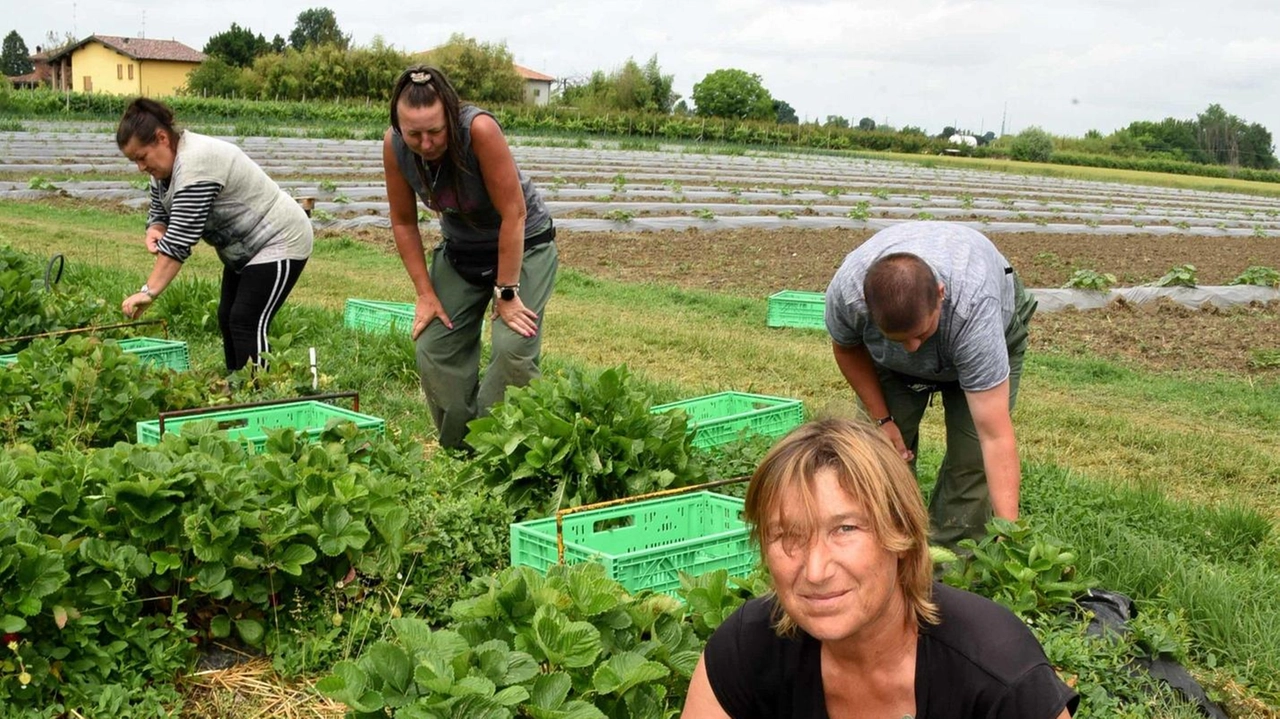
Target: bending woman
{"type": "Point", "coordinates": [203, 187]}
{"type": "Point", "coordinates": [498, 246]}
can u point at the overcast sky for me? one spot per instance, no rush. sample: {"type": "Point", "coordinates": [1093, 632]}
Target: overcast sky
{"type": "Point", "coordinates": [1068, 66]}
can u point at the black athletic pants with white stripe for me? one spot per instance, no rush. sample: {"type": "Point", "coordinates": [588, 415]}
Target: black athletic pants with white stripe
{"type": "Point", "coordinates": [250, 299]}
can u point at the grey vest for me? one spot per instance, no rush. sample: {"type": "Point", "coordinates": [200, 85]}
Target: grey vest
{"type": "Point", "coordinates": [251, 215]}
{"type": "Point", "coordinates": [469, 223]}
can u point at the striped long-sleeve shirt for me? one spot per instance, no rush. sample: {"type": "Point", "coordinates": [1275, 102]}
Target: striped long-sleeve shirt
{"type": "Point", "coordinates": [184, 221]}
{"type": "Point", "coordinates": [216, 193]}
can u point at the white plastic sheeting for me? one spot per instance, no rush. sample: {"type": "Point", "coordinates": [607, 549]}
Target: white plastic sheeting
{"type": "Point", "coordinates": [1053, 300]}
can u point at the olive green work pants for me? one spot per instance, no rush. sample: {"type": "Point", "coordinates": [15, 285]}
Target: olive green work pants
{"type": "Point", "coordinates": [449, 359]}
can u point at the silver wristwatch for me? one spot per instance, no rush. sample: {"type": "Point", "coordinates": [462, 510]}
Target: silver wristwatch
{"type": "Point", "coordinates": [147, 291]}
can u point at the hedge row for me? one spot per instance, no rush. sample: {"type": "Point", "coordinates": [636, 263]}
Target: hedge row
{"type": "Point", "coordinates": [572, 121]}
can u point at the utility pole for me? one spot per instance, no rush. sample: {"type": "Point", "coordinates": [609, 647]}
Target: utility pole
{"type": "Point", "coordinates": [1004, 115]}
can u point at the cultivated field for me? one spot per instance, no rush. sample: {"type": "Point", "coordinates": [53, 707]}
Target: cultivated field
{"type": "Point", "coordinates": [1150, 435]}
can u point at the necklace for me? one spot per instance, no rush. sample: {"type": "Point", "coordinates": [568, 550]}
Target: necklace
{"type": "Point", "coordinates": [435, 175]}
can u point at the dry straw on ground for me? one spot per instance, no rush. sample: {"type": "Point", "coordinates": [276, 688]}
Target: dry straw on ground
{"type": "Point", "coordinates": [253, 689]}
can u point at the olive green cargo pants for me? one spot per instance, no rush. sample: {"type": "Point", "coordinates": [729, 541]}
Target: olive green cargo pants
{"type": "Point", "coordinates": [449, 359]}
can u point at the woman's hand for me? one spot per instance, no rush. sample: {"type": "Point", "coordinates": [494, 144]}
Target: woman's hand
{"type": "Point", "coordinates": [522, 320]}
{"type": "Point", "coordinates": [426, 309]}
{"type": "Point", "coordinates": [154, 233]}
{"type": "Point", "coordinates": [135, 304]}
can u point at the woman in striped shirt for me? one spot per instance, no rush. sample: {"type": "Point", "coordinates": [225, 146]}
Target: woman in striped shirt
{"type": "Point", "coordinates": [203, 187]}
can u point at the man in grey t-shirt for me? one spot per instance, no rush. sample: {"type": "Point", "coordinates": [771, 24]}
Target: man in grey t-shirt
{"type": "Point", "coordinates": [924, 307]}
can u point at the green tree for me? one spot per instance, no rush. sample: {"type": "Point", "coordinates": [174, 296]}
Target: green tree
{"type": "Point", "coordinates": [317, 26]}
{"type": "Point", "coordinates": [1170, 137]}
{"type": "Point", "coordinates": [54, 42]}
{"type": "Point", "coordinates": [481, 72]}
{"type": "Point", "coordinates": [630, 87]}
{"type": "Point", "coordinates": [735, 93]}
{"type": "Point", "coordinates": [278, 43]}
{"type": "Point", "coordinates": [1228, 140]}
{"type": "Point", "coordinates": [1032, 145]}
{"type": "Point", "coordinates": [662, 97]}
{"type": "Point", "coordinates": [15, 58]}
{"type": "Point", "coordinates": [784, 113]}
{"type": "Point", "coordinates": [867, 124]}
{"type": "Point", "coordinates": [216, 77]}
{"type": "Point", "coordinates": [836, 121]}
{"type": "Point", "coordinates": [237, 46]}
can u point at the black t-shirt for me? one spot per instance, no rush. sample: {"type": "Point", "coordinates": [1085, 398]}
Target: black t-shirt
{"type": "Point", "coordinates": [980, 661]}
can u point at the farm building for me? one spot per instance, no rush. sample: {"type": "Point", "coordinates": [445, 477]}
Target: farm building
{"type": "Point", "coordinates": [123, 66]}
{"type": "Point", "coordinates": [537, 86]}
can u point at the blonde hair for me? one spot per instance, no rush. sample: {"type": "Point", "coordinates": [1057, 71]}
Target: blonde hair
{"type": "Point", "coordinates": [871, 472]}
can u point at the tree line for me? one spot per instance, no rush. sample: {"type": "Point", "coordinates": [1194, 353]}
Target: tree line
{"type": "Point", "coordinates": [319, 62]}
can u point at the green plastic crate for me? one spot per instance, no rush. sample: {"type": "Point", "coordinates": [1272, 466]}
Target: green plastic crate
{"type": "Point", "coordinates": [792, 308]}
{"type": "Point", "coordinates": [251, 424]}
{"type": "Point", "coordinates": [380, 317]}
{"type": "Point", "coordinates": [647, 544]}
{"type": "Point", "coordinates": [720, 418]}
{"type": "Point", "coordinates": [162, 353]}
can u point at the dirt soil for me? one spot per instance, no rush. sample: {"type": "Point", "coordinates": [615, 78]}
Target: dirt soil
{"type": "Point", "coordinates": [1163, 337]}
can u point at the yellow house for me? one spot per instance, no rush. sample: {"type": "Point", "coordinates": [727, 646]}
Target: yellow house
{"type": "Point", "coordinates": [124, 66]}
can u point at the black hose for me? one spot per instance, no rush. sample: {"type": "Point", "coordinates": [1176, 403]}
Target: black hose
{"type": "Point", "coordinates": [48, 271]}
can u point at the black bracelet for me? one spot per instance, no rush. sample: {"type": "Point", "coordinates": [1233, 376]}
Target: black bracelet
{"type": "Point", "coordinates": [884, 420]}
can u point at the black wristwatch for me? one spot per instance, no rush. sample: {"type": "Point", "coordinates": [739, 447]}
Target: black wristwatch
{"type": "Point", "coordinates": [506, 293]}
{"type": "Point", "coordinates": [884, 420]}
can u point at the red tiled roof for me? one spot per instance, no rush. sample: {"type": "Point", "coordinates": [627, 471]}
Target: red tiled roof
{"type": "Point", "coordinates": [139, 48]}
{"type": "Point", "coordinates": [528, 74]}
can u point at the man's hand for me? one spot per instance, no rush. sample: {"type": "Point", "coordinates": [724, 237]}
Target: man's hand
{"type": "Point", "coordinates": [894, 434]}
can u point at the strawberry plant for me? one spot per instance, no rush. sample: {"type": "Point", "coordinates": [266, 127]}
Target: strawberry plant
{"type": "Point", "coordinates": [1180, 276]}
{"type": "Point", "coordinates": [27, 309]}
{"type": "Point", "coordinates": [1085, 279]}
{"type": "Point", "coordinates": [570, 439]}
{"type": "Point", "coordinates": [710, 598]}
{"type": "Point", "coordinates": [1259, 276]}
{"type": "Point", "coordinates": [571, 644]}
{"type": "Point", "coordinates": [860, 211]}
{"type": "Point", "coordinates": [112, 561]}
{"type": "Point", "coordinates": [86, 393]}
{"type": "Point", "coordinates": [1019, 568]}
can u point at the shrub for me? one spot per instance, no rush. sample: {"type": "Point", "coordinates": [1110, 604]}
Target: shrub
{"type": "Point", "coordinates": [1032, 145]}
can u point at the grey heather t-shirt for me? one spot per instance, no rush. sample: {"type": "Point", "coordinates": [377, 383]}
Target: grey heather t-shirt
{"type": "Point", "coordinates": [969, 345]}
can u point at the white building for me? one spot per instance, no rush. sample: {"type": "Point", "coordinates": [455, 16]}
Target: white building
{"type": "Point", "coordinates": [537, 87]}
